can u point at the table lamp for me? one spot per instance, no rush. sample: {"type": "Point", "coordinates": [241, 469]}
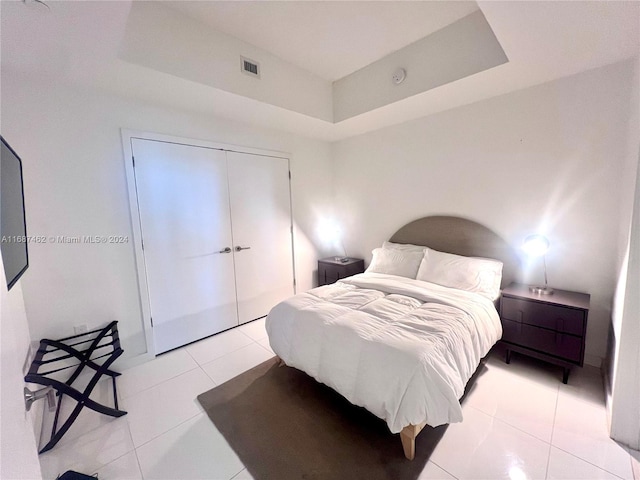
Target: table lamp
{"type": "Point", "coordinates": [330, 231]}
{"type": "Point", "coordinates": [536, 246]}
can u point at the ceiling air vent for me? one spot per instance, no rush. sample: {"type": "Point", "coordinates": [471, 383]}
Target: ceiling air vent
{"type": "Point", "coordinates": [249, 67]}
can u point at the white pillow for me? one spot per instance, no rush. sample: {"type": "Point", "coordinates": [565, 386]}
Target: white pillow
{"type": "Point", "coordinates": [407, 247]}
{"type": "Point", "coordinates": [481, 275]}
{"type": "Point", "coordinates": [395, 262]}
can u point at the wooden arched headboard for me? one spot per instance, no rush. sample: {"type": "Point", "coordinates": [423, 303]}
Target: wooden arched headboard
{"type": "Point", "coordinates": [462, 237]}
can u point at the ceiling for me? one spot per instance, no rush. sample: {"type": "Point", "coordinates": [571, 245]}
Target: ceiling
{"type": "Point", "coordinates": [329, 39]}
{"type": "Point", "coordinates": [77, 43]}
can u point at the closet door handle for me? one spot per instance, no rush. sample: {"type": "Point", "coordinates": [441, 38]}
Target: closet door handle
{"type": "Point", "coordinates": [238, 248]}
{"type": "Point", "coordinates": [226, 250]}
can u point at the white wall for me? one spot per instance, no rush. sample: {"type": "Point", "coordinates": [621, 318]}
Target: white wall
{"type": "Point", "coordinates": [546, 159]}
{"type": "Point", "coordinates": [18, 451]}
{"type": "Point", "coordinates": [201, 54]}
{"type": "Point", "coordinates": [75, 184]}
{"type": "Point", "coordinates": [461, 49]}
{"type": "Point", "coordinates": [623, 400]}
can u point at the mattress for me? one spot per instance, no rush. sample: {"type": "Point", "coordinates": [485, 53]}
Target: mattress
{"type": "Point", "coordinates": [403, 349]}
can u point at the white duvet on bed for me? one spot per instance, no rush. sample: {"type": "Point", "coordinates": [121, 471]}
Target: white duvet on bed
{"type": "Point", "coordinates": [401, 348]}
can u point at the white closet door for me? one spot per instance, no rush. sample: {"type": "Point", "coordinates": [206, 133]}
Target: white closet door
{"type": "Point", "coordinates": [261, 215]}
{"type": "Point", "coordinates": [183, 201]}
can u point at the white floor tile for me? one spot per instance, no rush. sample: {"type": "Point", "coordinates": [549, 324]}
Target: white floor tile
{"type": "Point", "coordinates": [235, 363]}
{"type": "Point", "coordinates": [482, 447]}
{"type": "Point", "coordinates": [564, 466]}
{"type": "Point", "coordinates": [193, 450]}
{"type": "Point", "coordinates": [516, 396]}
{"type": "Point", "coordinates": [529, 367]}
{"type": "Point", "coordinates": [217, 346]}
{"type": "Point", "coordinates": [124, 468]}
{"type": "Point", "coordinates": [581, 429]}
{"type": "Point", "coordinates": [89, 452]}
{"type": "Point", "coordinates": [434, 472]}
{"type": "Point", "coordinates": [243, 475]}
{"type": "Point", "coordinates": [176, 440]}
{"type": "Point", "coordinates": [635, 463]}
{"type": "Point", "coordinates": [265, 343]}
{"type": "Point", "coordinates": [156, 371]}
{"type": "Point", "coordinates": [87, 421]}
{"type": "Point", "coordinates": [255, 329]}
{"type": "Point", "coordinates": [585, 383]}
{"type": "Point", "coordinates": [160, 408]}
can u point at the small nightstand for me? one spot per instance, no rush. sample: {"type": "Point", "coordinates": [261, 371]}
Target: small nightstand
{"type": "Point", "coordinates": [331, 270]}
{"type": "Point", "coordinates": [548, 327]}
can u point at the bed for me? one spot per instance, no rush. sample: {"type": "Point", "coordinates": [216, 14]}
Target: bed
{"type": "Point", "coordinates": [403, 339]}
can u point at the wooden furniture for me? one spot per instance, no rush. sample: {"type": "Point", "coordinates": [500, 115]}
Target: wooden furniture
{"type": "Point", "coordinates": [407, 435]}
{"type": "Point", "coordinates": [548, 327]}
{"type": "Point", "coordinates": [447, 234]}
{"type": "Point", "coordinates": [459, 236]}
{"type": "Point", "coordinates": [331, 269]}
{"type": "Point", "coordinates": [95, 350]}
{"type": "Point", "coordinates": [408, 438]}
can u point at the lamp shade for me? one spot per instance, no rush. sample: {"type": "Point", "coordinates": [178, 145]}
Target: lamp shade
{"type": "Point", "coordinates": [329, 231]}
{"type": "Point", "coordinates": [535, 245]}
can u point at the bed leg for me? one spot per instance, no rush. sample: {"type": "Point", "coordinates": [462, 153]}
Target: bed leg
{"type": "Point", "coordinates": [408, 444]}
{"type": "Point", "coordinates": [408, 437]}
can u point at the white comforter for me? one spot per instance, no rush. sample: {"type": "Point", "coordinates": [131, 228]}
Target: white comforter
{"type": "Point", "coordinates": [401, 348]}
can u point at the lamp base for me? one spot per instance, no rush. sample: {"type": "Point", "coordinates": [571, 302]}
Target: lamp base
{"type": "Point", "coordinates": [342, 259]}
{"type": "Point", "coordinates": [541, 290]}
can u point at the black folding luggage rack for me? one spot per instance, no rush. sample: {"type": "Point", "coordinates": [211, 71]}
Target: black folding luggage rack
{"type": "Point", "coordinates": [105, 343]}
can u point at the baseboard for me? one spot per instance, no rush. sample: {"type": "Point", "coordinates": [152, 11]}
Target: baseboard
{"type": "Point", "coordinates": [593, 360]}
{"type": "Point", "coordinates": [608, 393]}
{"type": "Point", "coordinates": [129, 362]}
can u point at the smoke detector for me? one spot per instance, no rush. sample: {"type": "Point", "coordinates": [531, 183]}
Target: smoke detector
{"type": "Point", "coordinates": [399, 75]}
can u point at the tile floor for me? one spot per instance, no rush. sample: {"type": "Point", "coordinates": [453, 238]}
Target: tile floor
{"type": "Point", "coordinates": [520, 422]}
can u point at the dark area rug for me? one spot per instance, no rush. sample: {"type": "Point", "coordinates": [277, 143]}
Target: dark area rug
{"type": "Point", "coordinates": [284, 425]}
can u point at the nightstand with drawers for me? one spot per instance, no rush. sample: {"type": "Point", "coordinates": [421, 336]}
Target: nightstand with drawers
{"type": "Point", "coordinates": [552, 327]}
{"type": "Point", "coordinates": [332, 269]}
